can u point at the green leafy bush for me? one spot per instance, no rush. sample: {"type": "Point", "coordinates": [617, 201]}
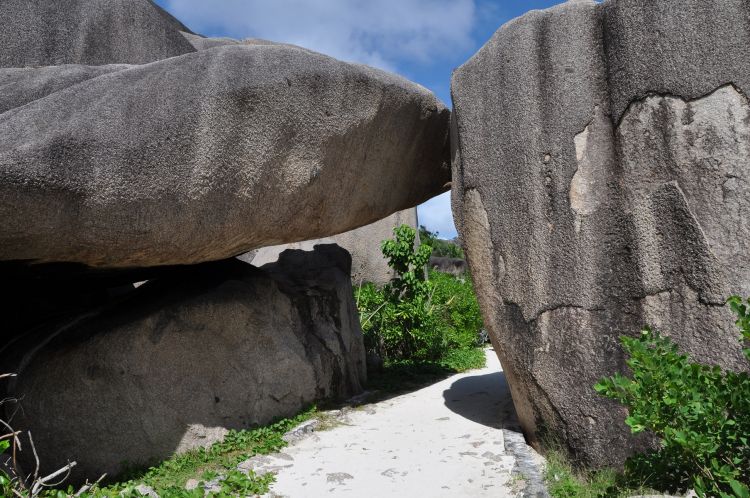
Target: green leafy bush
{"type": "Point", "coordinates": [398, 320]}
{"type": "Point", "coordinates": [700, 413]}
{"type": "Point", "coordinates": [413, 318]}
{"type": "Point", "coordinates": [458, 308]}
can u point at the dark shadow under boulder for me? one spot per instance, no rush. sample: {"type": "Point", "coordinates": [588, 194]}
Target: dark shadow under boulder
{"type": "Point", "coordinates": [182, 359]}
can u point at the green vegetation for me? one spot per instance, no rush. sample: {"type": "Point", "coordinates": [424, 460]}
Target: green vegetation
{"type": "Point", "coordinates": [458, 309]}
{"type": "Point", "coordinates": [407, 375]}
{"type": "Point", "coordinates": [413, 320]}
{"type": "Point", "coordinates": [423, 329]}
{"type": "Point", "coordinates": [440, 247]}
{"type": "Point", "coordinates": [168, 478]}
{"type": "Point", "coordinates": [700, 413]}
{"type": "Point", "coordinates": [564, 480]}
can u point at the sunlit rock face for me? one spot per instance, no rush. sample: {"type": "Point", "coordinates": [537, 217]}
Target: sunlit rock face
{"type": "Point", "coordinates": [601, 182]}
{"type": "Point", "coordinates": [93, 32]}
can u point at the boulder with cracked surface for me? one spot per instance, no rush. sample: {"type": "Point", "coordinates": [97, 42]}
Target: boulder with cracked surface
{"type": "Point", "coordinates": [207, 155]}
{"type": "Point", "coordinates": [601, 182]}
{"type": "Point", "coordinates": [177, 362]}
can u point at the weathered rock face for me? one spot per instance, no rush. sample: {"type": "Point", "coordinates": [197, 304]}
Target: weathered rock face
{"type": "Point", "coordinates": [200, 42]}
{"type": "Point", "coordinates": [454, 266]}
{"type": "Point", "coordinates": [20, 86]}
{"type": "Point", "coordinates": [207, 155]}
{"type": "Point", "coordinates": [368, 263]}
{"type": "Point", "coordinates": [186, 357]}
{"type": "Point", "coordinates": [601, 183]}
{"type": "Point", "coordinates": [93, 32]}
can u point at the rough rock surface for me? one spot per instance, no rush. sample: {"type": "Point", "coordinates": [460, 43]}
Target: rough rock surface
{"type": "Point", "coordinates": [600, 183]}
{"type": "Point", "coordinates": [363, 244]}
{"type": "Point", "coordinates": [19, 86]}
{"type": "Point", "coordinates": [184, 358]}
{"type": "Point", "coordinates": [200, 42]}
{"type": "Point", "coordinates": [454, 266]}
{"type": "Point", "coordinates": [210, 154]}
{"type": "Point", "coordinates": [92, 32]}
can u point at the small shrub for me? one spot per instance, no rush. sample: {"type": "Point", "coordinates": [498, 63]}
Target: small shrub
{"type": "Point", "coordinates": [413, 318]}
{"type": "Point", "coordinates": [461, 360]}
{"type": "Point", "coordinates": [237, 483]}
{"type": "Point", "coordinates": [407, 375]}
{"type": "Point", "coordinates": [458, 308]}
{"type": "Point", "coordinates": [398, 320]}
{"type": "Point", "coordinates": [700, 413]}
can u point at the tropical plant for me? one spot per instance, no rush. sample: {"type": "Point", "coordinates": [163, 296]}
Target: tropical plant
{"type": "Point", "coordinates": [412, 317]}
{"type": "Point", "coordinates": [700, 414]}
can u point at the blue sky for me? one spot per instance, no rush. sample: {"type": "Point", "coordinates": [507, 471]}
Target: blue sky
{"type": "Point", "coordinates": [423, 40]}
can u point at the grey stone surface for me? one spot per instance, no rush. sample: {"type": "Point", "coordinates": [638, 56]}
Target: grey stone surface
{"type": "Point", "coordinates": [92, 32]}
{"type": "Point", "coordinates": [186, 357]}
{"type": "Point", "coordinates": [300, 431]}
{"type": "Point", "coordinates": [144, 490]}
{"type": "Point", "coordinates": [211, 154]}
{"type": "Point", "coordinates": [454, 266]}
{"type": "Point", "coordinates": [600, 183]}
{"type": "Point", "coordinates": [20, 86]}
{"type": "Point", "coordinates": [363, 244]}
{"type": "Point", "coordinates": [200, 42]}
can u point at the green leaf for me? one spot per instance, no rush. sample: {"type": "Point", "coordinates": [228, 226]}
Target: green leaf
{"type": "Point", "coordinates": [601, 387]}
{"type": "Point", "coordinates": [739, 489]}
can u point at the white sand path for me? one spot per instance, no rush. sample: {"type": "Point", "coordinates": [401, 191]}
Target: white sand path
{"type": "Point", "coordinates": [456, 438]}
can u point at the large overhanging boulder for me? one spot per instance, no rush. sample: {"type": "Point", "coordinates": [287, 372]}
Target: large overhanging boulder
{"type": "Point", "coordinates": [601, 183]}
{"type": "Point", "coordinates": [93, 32]}
{"type": "Point", "coordinates": [207, 155]}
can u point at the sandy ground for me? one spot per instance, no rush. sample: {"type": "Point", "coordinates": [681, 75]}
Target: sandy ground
{"type": "Point", "coordinates": [456, 438]}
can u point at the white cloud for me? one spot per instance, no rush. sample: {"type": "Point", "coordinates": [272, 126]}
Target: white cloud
{"type": "Point", "coordinates": [436, 215]}
{"type": "Point", "coordinates": [380, 33]}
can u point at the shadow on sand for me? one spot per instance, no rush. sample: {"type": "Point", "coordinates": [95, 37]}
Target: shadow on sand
{"type": "Point", "coordinates": [484, 399]}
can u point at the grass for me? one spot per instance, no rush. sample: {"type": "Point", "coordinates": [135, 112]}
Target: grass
{"type": "Point", "coordinates": [461, 360]}
{"type": "Point", "coordinates": [564, 480]}
{"type": "Point", "coordinates": [327, 421]}
{"type": "Point", "coordinates": [169, 477]}
{"type": "Point", "coordinates": [407, 375]}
